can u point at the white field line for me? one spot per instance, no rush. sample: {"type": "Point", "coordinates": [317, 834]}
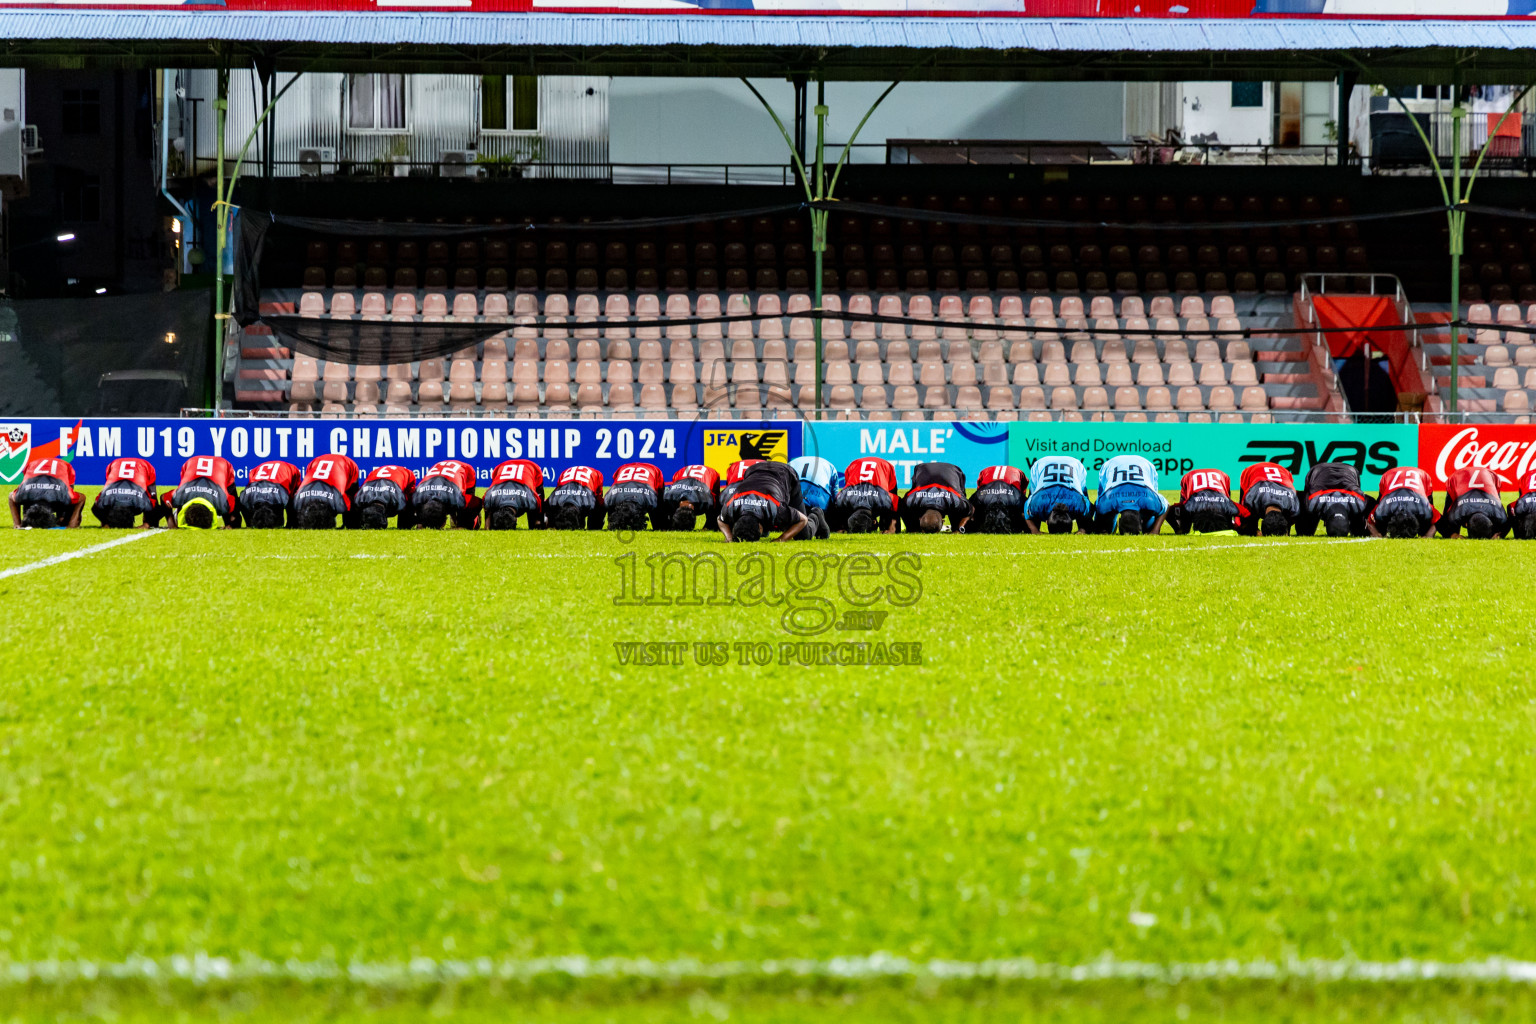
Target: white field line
{"type": "Point", "coordinates": [56, 559]}
{"type": "Point", "coordinates": [201, 969]}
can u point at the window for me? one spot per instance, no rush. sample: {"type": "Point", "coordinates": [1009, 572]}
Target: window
{"type": "Point", "coordinates": [79, 195]}
{"type": "Point", "coordinates": [376, 103]}
{"type": "Point", "coordinates": [1247, 94]}
{"type": "Point", "coordinates": [509, 103]}
{"type": "Point", "coordinates": [82, 112]}
{"type": "Point", "coordinates": [1424, 92]}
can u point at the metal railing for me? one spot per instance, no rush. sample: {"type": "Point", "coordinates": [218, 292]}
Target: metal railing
{"type": "Point", "coordinates": [1142, 151]}
{"type": "Point", "coordinates": [783, 175]}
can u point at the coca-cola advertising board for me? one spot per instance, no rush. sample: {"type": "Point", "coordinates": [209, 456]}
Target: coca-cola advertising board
{"type": "Point", "coordinates": [1506, 448]}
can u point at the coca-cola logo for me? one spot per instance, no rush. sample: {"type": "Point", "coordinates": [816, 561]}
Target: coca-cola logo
{"type": "Point", "coordinates": [1510, 457]}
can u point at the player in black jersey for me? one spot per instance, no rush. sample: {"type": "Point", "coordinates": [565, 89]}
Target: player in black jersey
{"type": "Point", "coordinates": [767, 498]}
{"type": "Point", "coordinates": [1332, 496]}
{"type": "Point", "coordinates": [938, 490]}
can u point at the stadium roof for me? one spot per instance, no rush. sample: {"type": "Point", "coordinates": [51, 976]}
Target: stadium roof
{"type": "Point", "coordinates": [841, 47]}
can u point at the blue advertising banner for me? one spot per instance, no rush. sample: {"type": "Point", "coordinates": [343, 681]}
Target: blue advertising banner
{"type": "Point", "coordinates": [973, 445]}
{"type": "Point", "coordinates": [416, 444]}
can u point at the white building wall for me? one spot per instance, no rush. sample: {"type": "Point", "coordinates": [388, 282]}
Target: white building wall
{"type": "Point", "coordinates": [1209, 115]}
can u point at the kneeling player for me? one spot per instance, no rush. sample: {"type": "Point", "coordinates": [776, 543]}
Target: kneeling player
{"type": "Point", "coordinates": [1333, 497]}
{"type": "Point", "coordinates": [577, 500]}
{"type": "Point", "coordinates": [1058, 496]}
{"type": "Point", "coordinates": [385, 492]}
{"type": "Point", "coordinates": [1472, 501]}
{"type": "Point", "coordinates": [1205, 503]}
{"type": "Point", "coordinates": [267, 501]}
{"type": "Point", "coordinates": [327, 490]}
{"type": "Point", "coordinates": [206, 493]}
{"type": "Point", "coordinates": [129, 492]}
{"type": "Point", "coordinates": [999, 500]}
{"type": "Point", "coordinates": [1270, 504]}
{"type": "Point", "coordinates": [867, 501]}
{"type": "Point", "coordinates": [938, 490]}
{"type": "Point", "coordinates": [767, 498]}
{"type": "Point", "coordinates": [1522, 511]}
{"type": "Point", "coordinates": [693, 492]}
{"type": "Point", "coordinates": [819, 481]}
{"type": "Point", "coordinates": [635, 497]}
{"type": "Point", "coordinates": [46, 497]}
{"type": "Point", "coordinates": [1405, 508]}
{"type": "Point", "coordinates": [1128, 497]}
{"type": "Point", "coordinates": [517, 489]}
{"type": "Point", "coordinates": [447, 491]}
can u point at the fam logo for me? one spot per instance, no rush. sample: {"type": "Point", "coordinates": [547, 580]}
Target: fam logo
{"type": "Point", "coordinates": [15, 446]}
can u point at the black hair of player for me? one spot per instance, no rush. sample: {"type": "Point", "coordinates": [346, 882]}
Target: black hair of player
{"type": "Point", "coordinates": [861, 520]}
{"type": "Point", "coordinates": [1527, 524]}
{"type": "Point", "coordinates": [931, 521]}
{"type": "Point", "coordinates": [1338, 525]}
{"type": "Point", "coordinates": [684, 518]}
{"type": "Point", "coordinates": [1060, 519]}
{"type": "Point", "coordinates": [199, 517]}
{"type": "Point", "coordinates": [502, 519]}
{"type": "Point", "coordinates": [373, 516]}
{"type": "Point", "coordinates": [39, 517]}
{"type": "Point", "coordinates": [266, 517]}
{"type": "Point", "coordinates": [434, 514]}
{"type": "Point", "coordinates": [747, 528]}
{"type": "Point", "coordinates": [1130, 522]}
{"type": "Point", "coordinates": [1275, 524]}
{"type": "Point", "coordinates": [626, 515]}
{"type": "Point", "coordinates": [1210, 521]}
{"type": "Point", "coordinates": [316, 516]}
{"type": "Point", "coordinates": [116, 518]}
{"type": "Point", "coordinates": [566, 517]}
{"type": "Point", "coordinates": [1479, 527]}
{"type": "Point", "coordinates": [1400, 525]}
{"type": "Point", "coordinates": [996, 521]}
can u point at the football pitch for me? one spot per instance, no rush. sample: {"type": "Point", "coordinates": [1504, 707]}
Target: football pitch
{"type": "Point", "coordinates": [403, 776]}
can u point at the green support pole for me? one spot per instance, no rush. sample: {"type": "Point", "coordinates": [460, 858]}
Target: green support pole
{"type": "Point", "coordinates": [819, 225]}
{"type": "Point", "coordinates": [221, 229]}
{"type": "Point", "coordinates": [1458, 219]}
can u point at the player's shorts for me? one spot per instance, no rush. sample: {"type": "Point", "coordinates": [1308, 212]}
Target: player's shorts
{"type": "Point", "coordinates": [1404, 500]}
{"type": "Point", "coordinates": [513, 495]}
{"type": "Point", "coordinates": [1268, 494]}
{"type": "Point", "coordinates": [264, 494]}
{"type": "Point", "coordinates": [1470, 505]}
{"type": "Point", "coordinates": [1045, 499]}
{"type": "Point", "coordinates": [936, 498]}
{"type": "Point", "coordinates": [125, 495]}
{"type": "Point", "coordinates": [865, 496]}
{"type": "Point", "coordinates": [1522, 506]}
{"type": "Point", "coordinates": [203, 488]}
{"type": "Point", "coordinates": [380, 492]}
{"type": "Point", "coordinates": [1208, 501]}
{"type": "Point", "coordinates": [322, 494]}
{"type": "Point", "coordinates": [572, 496]}
{"type": "Point", "coordinates": [46, 490]}
{"type": "Point", "coordinates": [638, 493]}
{"type": "Point", "coordinates": [1131, 498]}
{"type": "Point", "coordinates": [998, 496]}
{"type": "Point", "coordinates": [692, 491]}
{"type": "Point", "coordinates": [774, 516]}
{"type": "Point", "coordinates": [439, 488]}
{"type": "Point", "coordinates": [1348, 503]}
{"type": "Point", "coordinates": [814, 496]}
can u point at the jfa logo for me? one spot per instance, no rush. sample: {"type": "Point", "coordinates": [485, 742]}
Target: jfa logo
{"type": "Point", "coordinates": [723, 447]}
{"type": "Point", "coordinates": [15, 446]}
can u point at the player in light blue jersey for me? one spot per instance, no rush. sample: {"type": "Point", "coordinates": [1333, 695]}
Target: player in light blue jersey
{"type": "Point", "coordinates": [819, 481]}
{"type": "Point", "coordinates": [1058, 495]}
{"type": "Point", "coordinates": [1128, 497]}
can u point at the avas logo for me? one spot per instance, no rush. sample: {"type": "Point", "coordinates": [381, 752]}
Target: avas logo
{"type": "Point", "coordinates": [1298, 456]}
{"type": "Point", "coordinates": [1506, 449]}
{"type": "Point", "coordinates": [15, 446]}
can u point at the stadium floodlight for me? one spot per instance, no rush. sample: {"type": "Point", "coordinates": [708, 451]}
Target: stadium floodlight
{"type": "Point", "coordinates": [68, 236]}
{"type": "Point", "coordinates": [101, 291]}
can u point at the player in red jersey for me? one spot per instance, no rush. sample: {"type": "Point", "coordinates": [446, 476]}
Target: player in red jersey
{"type": "Point", "coordinates": [938, 490]}
{"type": "Point", "coordinates": [329, 484]}
{"type": "Point", "coordinates": [1269, 500]}
{"type": "Point", "coordinates": [267, 501]}
{"type": "Point", "coordinates": [516, 489]}
{"type": "Point", "coordinates": [1522, 511]}
{"type": "Point", "coordinates": [999, 500]}
{"type": "Point", "coordinates": [1405, 508]}
{"type": "Point", "coordinates": [386, 491]}
{"type": "Point", "coordinates": [1205, 503]}
{"type": "Point", "coordinates": [127, 493]}
{"type": "Point", "coordinates": [447, 490]}
{"type": "Point", "coordinates": [635, 497]}
{"type": "Point", "coordinates": [867, 501]}
{"type": "Point", "coordinates": [577, 500]}
{"type": "Point", "coordinates": [1472, 501]}
{"type": "Point", "coordinates": [206, 492]}
{"type": "Point", "coordinates": [46, 497]}
{"type": "Point", "coordinates": [694, 491]}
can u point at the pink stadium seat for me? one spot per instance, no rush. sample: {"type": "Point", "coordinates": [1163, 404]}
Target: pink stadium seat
{"type": "Point", "coordinates": [1132, 306]}
{"type": "Point", "coordinates": [1086, 374]}
{"type": "Point", "coordinates": [1041, 307]}
{"type": "Point", "coordinates": [1254, 399]}
{"type": "Point", "coordinates": [1212, 374]}
{"type": "Point", "coordinates": [404, 304]}
{"type": "Point", "coordinates": [1222, 399]}
{"type": "Point", "coordinates": [342, 304]}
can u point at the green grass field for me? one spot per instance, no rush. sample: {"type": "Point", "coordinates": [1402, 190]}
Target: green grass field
{"type": "Point", "coordinates": [324, 757]}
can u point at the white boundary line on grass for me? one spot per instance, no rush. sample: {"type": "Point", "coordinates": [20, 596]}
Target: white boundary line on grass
{"type": "Point", "coordinates": [56, 559]}
{"type": "Point", "coordinates": [201, 969]}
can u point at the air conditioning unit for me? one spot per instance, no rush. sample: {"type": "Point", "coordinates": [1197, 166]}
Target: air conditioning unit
{"type": "Point", "coordinates": [316, 162]}
{"type": "Point", "coordinates": [31, 143]}
{"type": "Point", "coordinates": [457, 163]}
